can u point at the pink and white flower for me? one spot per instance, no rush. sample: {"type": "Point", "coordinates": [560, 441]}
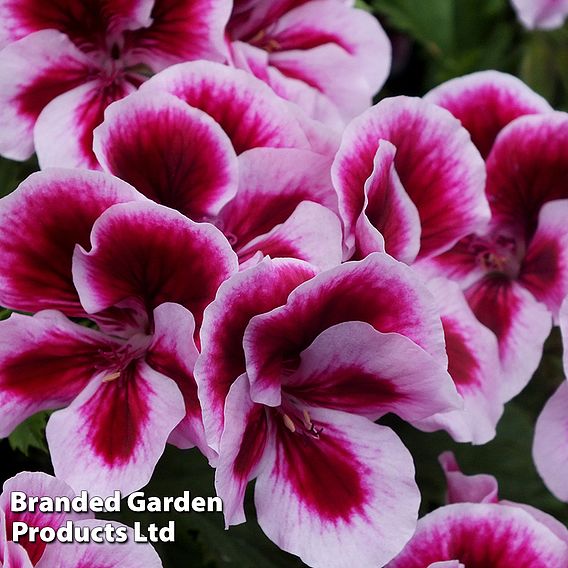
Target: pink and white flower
{"type": "Point", "coordinates": [39, 554]}
{"type": "Point", "coordinates": [65, 62]}
{"type": "Point", "coordinates": [128, 386]}
{"type": "Point", "coordinates": [324, 55]}
{"type": "Point", "coordinates": [409, 181]}
{"type": "Point", "coordinates": [515, 274]}
{"type": "Point", "coordinates": [541, 14]}
{"type": "Point", "coordinates": [274, 198]}
{"type": "Point", "coordinates": [550, 449]}
{"type": "Point", "coordinates": [293, 366]}
{"type": "Point", "coordinates": [473, 364]}
{"type": "Point", "coordinates": [485, 102]}
{"type": "Point", "coordinates": [478, 529]}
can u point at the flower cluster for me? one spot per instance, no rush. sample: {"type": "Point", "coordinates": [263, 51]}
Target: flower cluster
{"type": "Point", "coordinates": [229, 248]}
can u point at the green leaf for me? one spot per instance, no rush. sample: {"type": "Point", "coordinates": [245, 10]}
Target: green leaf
{"type": "Point", "coordinates": [30, 434]}
{"type": "Point", "coordinates": [13, 173]}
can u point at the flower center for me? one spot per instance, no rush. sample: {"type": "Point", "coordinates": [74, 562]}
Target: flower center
{"type": "Point", "coordinates": [298, 421]}
{"type": "Point", "coordinates": [499, 253]}
{"type": "Point", "coordinates": [113, 362]}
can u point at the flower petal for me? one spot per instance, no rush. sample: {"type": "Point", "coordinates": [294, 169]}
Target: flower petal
{"type": "Point", "coordinates": [89, 24]}
{"type": "Point", "coordinates": [463, 488]}
{"type": "Point", "coordinates": [520, 323]}
{"type": "Point", "coordinates": [526, 168]}
{"type": "Point", "coordinates": [550, 448]}
{"type": "Point", "coordinates": [543, 14]}
{"type": "Point", "coordinates": [483, 535]}
{"type": "Point", "coordinates": [40, 224]}
{"type": "Point", "coordinates": [485, 102]}
{"type": "Point", "coordinates": [33, 72]}
{"type": "Point", "coordinates": [129, 554]}
{"type": "Point", "coordinates": [254, 291]}
{"type": "Point", "coordinates": [180, 31]}
{"type": "Point", "coordinates": [241, 449]}
{"type": "Point", "coordinates": [154, 254]}
{"type": "Point", "coordinates": [35, 484]}
{"type": "Point", "coordinates": [45, 361]}
{"type": "Point", "coordinates": [347, 498]}
{"type": "Point", "coordinates": [173, 353]}
{"type": "Point", "coordinates": [15, 556]}
{"type": "Point", "coordinates": [473, 363]}
{"type": "Point", "coordinates": [311, 233]}
{"type": "Point", "coordinates": [247, 110]}
{"type": "Point", "coordinates": [378, 290]}
{"type": "Point", "coordinates": [544, 271]}
{"type": "Point", "coordinates": [114, 432]}
{"type": "Point", "coordinates": [63, 134]}
{"type": "Point", "coordinates": [437, 164]}
{"type": "Point", "coordinates": [355, 368]}
{"type": "Point", "coordinates": [174, 154]}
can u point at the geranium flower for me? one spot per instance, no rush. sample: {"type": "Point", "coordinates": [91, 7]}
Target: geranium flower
{"type": "Point", "coordinates": [323, 55]}
{"type": "Point", "coordinates": [274, 201]}
{"type": "Point", "coordinates": [542, 14]}
{"type": "Point", "coordinates": [514, 274]}
{"type": "Point", "coordinates": [550, 437]}
{"type": "Point", "coordinates": [64, 62]}
{"type": "Point", "coordinates": [409, 181]}
{"type": "Point", "coordinates": [305, 366]}
{"type": "Point", "coordinates": [127, 386]}
{"type": "Point", "coordinates": [26, 554]}
{"type": "Point", "coordinates": [485, 102]}
{"type": "Point", "coordinates": [473, 364]}
{"type": "Point", "coordinates": [478, 529]}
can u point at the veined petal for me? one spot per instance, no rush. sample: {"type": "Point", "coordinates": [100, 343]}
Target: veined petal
{"type": "Point", "coordinates": [45, 362]}
{"type": "Point", "coordinates": [378, 290]}
{"type": "Point", "coordinates": [129, 554]}
{"type": "Point", "coordinates": [474, 365]}
{"type": "Point", "coordinates": [247, 110]}
{"type": "Point", "coordinates": [15, 556]}
{"type": "Point", "coordinates": [520, 323]}
{"type": "Point", "coordinates": [544, 271]}
{"type": "Point", "coordinates": [485, 102]}
{"type": "Point", "coordinates": [181, 31]}
{"type": "Point", "coordinates": [35, 257]}
{"type": "Point", "coordinates": [34, 71]}
{"type": "Point", "coordinates": [327, 21]}
{"type": "Point", "coordinates": [542, 14]}
{"type": "Point", "coordinates": [272, 183]}
{"type": "Point", "coordinates": [63, 133]}
{"type": "Point", "coordinates": [173, 353]}
{"type": "Point", "coordinates": [312, 233]}
{"type": "Point", "coordinates": [318, 66]}
{"type": "Point", "coordinates": [114, 432]}
{"type": "Point", "coordinates": [155, 254]}
{"type": "Point", "coordinates": [483, 535]}
{"type": "Point", "coordinates": [35, 484]}
{"type": "Point", "coordinates": [355, 368]}
{"type": "Point", "coordinates": [550, 449]}
{"type": "Point", "coordinates": [438, 166]}
{"type": "Point", "coordinates": [346, 498]}
{"type": "Point", "coordinates": [246, 294]}
{"type": "Point", "coordinates": [174, 154]}
{"type": "Point", "coordinates": [88, 23]}
{"type": "Point", "coordinates": [241, 449]}
{"type": "Point", "coordinates": [387, 208]}
{"type": "Point", "coordinates": [528, 167]}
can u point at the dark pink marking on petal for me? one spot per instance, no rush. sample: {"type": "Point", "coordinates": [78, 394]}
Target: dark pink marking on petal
{"type": "Point", "coordinates": [528, 167]}
{"type": "Point", "coordinates": [174, 154]}
{"type": "Point", "coordinates": [40, 224]}
{"type": "Point", "coordinates": [485, 102]}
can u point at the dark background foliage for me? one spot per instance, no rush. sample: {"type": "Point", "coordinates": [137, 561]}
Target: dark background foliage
{"type": "Point", "coordinates": [433, 41]}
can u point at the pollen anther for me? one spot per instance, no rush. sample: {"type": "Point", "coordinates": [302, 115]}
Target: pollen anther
{"type": "Point", "coordinates": [111, 377]}
{"type": "Point", "coordinates": [289, 423]}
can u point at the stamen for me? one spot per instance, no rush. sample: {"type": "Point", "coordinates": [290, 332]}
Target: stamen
{"type": "Point", "coordinates": [289, 423]}
{"type": "Point", "coordinates": [307, 420]}
{"type": "Point", "coordinates": [111, 377]}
